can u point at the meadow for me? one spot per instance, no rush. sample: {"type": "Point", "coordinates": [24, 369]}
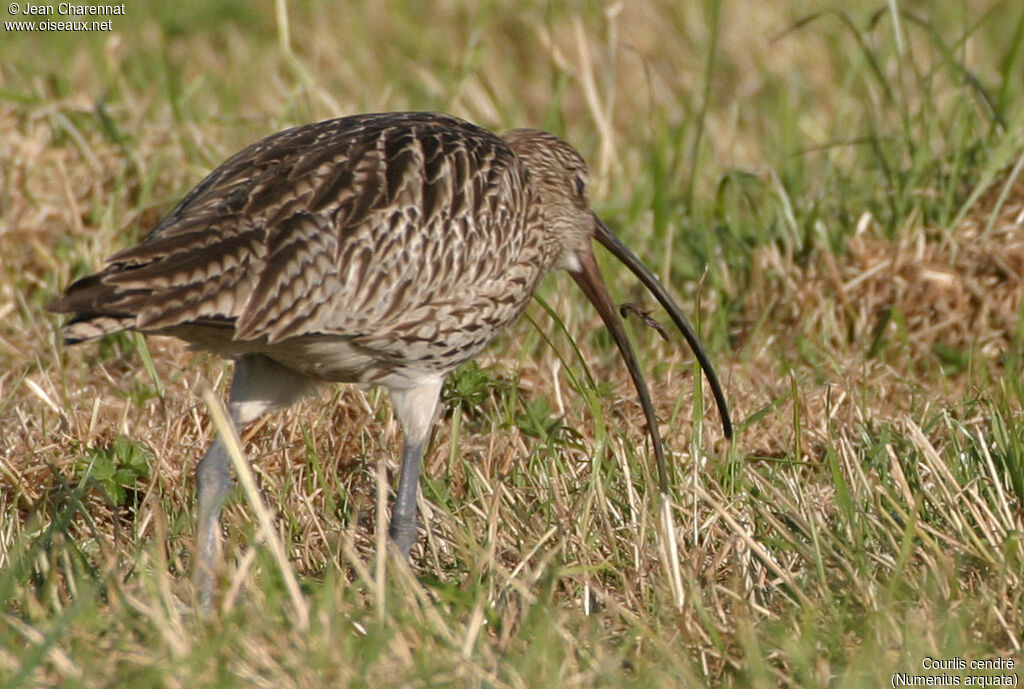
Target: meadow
{"type": "Point", "coordinates": [832, 191]}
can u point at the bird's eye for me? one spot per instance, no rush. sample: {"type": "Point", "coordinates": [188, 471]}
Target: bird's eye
{"type": "Point", "coordinates": [581, 186]}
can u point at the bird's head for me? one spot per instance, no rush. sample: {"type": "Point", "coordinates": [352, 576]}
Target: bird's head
{"type": "Point", "coordinates": [561, 178]}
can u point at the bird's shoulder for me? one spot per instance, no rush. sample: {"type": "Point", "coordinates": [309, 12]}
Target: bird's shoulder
{"type": "Point", "coordinates": [347, 174]}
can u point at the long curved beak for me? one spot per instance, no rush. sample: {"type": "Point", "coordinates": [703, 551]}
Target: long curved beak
{"type": "Point", "coordinates": [588, 277]}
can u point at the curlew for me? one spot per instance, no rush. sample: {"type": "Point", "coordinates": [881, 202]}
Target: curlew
{"type": "Point", "coordinates": [381, 249]}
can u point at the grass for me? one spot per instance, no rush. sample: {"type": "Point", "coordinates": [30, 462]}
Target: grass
{"type": "Point", "coordinates": [834, 191]}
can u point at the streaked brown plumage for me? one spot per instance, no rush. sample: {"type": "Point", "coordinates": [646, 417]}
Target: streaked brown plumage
{"type": "Point", "coordinates": [381, 232]}
{"type": "Point", "coordinates": [383, 249]}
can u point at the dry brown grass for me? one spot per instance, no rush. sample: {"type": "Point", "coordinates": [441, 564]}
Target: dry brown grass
{"type": "Point", "coordinates": [862, 519]}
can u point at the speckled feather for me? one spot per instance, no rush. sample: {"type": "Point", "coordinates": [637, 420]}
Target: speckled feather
{"type": "Point", "coordinates": [345, 249]}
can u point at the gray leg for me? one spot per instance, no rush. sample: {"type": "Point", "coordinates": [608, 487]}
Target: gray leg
{"type": "Point", "coordinates": [403, 514]}
{"type": "Point", "coordinates": [258, 386]}
{"type": "Point", "coordinates": [213, 481]}
{"type": "Point", "coordinates": [416, 409]}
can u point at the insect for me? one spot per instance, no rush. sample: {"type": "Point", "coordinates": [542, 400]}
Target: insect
{"type": "Point", "coordinates": [381, 249]}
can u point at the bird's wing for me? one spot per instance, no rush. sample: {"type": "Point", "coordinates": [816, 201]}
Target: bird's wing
{"type": "Point", "coordinates": [339, 227]}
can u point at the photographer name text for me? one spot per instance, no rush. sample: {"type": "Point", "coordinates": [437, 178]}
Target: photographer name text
{"type": "Point", "coordinates": [66, 9]}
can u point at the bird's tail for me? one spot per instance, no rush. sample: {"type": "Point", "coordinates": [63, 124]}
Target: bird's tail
{"type": "Point", "coordinates": [86, 300]}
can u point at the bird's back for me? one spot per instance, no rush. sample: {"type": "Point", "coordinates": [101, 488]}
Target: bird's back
{"type": "Point", "coordinates": [394, 238]}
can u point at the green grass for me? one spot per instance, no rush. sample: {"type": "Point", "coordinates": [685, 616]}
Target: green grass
{"type": "Point", "coordinates": [833, 191]}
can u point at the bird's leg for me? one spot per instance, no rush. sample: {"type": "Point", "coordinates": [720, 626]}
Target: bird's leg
{"type": "Point", "coordinates": [403, 514]}
{"type": "Point", "coordinates": [258, 386]}
{"type": "Point", "coordinates": [213, 481]}
{"type": "Point", "coordinates": [416, 409]}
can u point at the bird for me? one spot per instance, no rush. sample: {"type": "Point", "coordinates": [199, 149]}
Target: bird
{"type": "Point", "coordinates": [381, 249]}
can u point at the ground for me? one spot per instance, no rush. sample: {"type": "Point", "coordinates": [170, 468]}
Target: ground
{"type": "Point", "coordinates": [832, 191]}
